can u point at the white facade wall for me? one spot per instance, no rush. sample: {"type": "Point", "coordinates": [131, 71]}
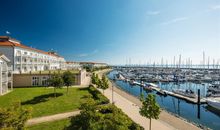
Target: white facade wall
{"type": "Point", "coordinates": [100, 65]}
{"type": "Point", "coordinates": [27, 60]}
{"type": "Point", "coordinates": [73, 65]}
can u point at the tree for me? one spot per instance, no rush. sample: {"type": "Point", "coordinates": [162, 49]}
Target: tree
{"type": "Point", "coordinates": [56, 81]}
{"type": "Point", "coordinates": [150, 109]}
{"type": "Point", "coordinates": [14, 118]}
{"type": "Point", "coordinates": [97, 79]}
{"type": "Point", "coordinates": [93, 78]}
{"type": "Point", "coordinates": [68, 79]}
{"type": "Point", "coordinates": [104, 84]}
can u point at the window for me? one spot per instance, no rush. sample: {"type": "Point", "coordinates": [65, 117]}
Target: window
{"type": "Point", "coordinates": [35, 81]}
{"type": "Point", "coordinates": [9, 74]}
{"type": "Point", "coordinates": [18, 59]}
{"type": "Point", "coordinates": [18, 67]}
{"type": "Point", "coordinates": [18, 53]}
{"type": "Point", "coordinates": [44, 81]}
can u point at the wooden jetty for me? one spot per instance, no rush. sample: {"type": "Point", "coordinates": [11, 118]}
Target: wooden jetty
{"type": "Point", "coordinates": [188, 99]}
{"type": "Point", "coordinates": [191, 100]}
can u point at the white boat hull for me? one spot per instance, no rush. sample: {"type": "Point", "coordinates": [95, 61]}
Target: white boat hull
{"type": "Point", "coordinates": [214, 104]}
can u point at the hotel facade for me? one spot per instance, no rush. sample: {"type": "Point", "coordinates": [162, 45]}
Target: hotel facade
{"type": "Point", "coordinates": [25, 59]}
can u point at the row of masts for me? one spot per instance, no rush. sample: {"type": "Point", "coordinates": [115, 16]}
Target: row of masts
{"type": "Point", "coordinates": [179, 63]}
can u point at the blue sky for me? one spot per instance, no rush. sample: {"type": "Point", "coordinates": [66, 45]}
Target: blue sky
{"type": "Point", "coordinates": [114, 30]}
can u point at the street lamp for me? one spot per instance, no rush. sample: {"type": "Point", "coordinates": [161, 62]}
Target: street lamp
{"type": "Point", "coordinates": [112, 94]}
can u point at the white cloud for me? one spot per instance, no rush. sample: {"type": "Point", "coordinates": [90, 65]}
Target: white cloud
{"type": "Point", "coordinates": [215, 7]}
{"type": "Point", "coordinates": [153, 12]}
{"type": "Point", "coordinates": [88, 54]}
{"type": "Point", "coordinates": [7, 32]}
{"type": "Point", "coordinates": [83, 55]}
{"type": "Point", "coordinates": [175, 20]}
{"type": "Point", "coordinates": [95, 51]}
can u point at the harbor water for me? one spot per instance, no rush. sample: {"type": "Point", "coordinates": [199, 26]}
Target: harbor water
{"type": "Point", "coordinates": [199, 114]}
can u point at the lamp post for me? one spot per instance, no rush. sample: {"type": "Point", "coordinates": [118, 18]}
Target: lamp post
{"type": "Point", "coordinates": [112, 94]}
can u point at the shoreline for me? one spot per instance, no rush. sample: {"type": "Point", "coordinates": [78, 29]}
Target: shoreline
{"type": "Point", "coordinates": [165, 117]}
{"type": "Point", "coordinates": [117, 88]}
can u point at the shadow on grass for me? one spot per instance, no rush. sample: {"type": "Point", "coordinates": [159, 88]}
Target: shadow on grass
{"type": "Point", "coordinates": [41, 98]}
{"type": "Point", "coordinates": [84, 89]}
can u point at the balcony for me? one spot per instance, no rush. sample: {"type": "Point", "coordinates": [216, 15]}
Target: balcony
{"type": "Point", "coordinates": [6, 68]}
{"type": "Point", "coordinates": [10, 68]}
{"type": "Point", "coordinates": [4, 79]}
{"type": "Point", "coordinates": [18, 54]}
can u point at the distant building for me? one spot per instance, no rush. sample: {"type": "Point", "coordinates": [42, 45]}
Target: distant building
{"type": "Point", "coordinates": [78, 65]}
{"type": "Point", "coordinates": [25, 59]}
{"type": "Point", "coordinates": [73, 65]}
{"type": "Point", "coordinates": [93, 64]}
{"type": "Point", "coordinates": [5, 75]}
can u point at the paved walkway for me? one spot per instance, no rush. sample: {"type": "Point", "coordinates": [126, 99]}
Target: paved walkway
{"type": "Point", "coordinates": [132, 111]}
{"type": "Point", "coordinates": [55, 117]}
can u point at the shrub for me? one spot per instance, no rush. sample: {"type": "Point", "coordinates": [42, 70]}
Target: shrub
{"type": "Point", "coordinates": [100, 99]}
{"type": "Point", "coordinates": [102, 117]}
{"type": "Point", "coordinates": [14, 118]}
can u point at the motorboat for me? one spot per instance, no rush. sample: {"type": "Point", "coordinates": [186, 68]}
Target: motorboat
{"type": "Point", "coordinates": [162, 92]}
{"type": "Point", "coordinates": [213, 94]}
{"type": "Point", "coordinates": [213, 102]}
{"type": "Point", "coordinates": [147, 88]}
{"type": "Point", "coordinates": [188, 93]}
{"type": "Point", "coordinates": [214, 88]}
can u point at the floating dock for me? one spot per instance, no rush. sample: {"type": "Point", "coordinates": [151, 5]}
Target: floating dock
{"type": "Point", "coordinates": [191, 100]}
{"type": "Point", "coordinates": [188, 99]}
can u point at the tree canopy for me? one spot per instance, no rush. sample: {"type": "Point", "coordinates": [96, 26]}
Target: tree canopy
{"type": "Point", "coordinates": [56, 81]}
{"type": "Point", "coordinates": [150, 109]}
{"type": "Point", "coordinates": [68, 79]}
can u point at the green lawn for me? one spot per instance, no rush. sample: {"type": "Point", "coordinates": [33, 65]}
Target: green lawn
{"type": "Point", "coordinates": [55, 125]}
{"type": "Point", "coordinates": [42, 99]}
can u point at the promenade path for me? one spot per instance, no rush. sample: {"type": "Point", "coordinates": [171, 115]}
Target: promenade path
{"type": "Point", "coordinates": [50, 118]}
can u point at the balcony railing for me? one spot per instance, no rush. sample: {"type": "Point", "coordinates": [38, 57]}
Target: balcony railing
{"type": "Point", "coordinates": [4, 79]}
{"type": "Point", "coordinates": [10, 68]}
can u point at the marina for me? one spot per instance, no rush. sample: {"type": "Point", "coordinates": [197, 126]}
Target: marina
{"type": "Point", "coordinates": [194, 109]}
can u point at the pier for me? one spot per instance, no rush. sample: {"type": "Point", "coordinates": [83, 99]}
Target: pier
{"type": "Point", "coordinates": [191, 100]}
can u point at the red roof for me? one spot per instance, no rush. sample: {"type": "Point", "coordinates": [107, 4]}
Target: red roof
{"type": "Point", "coordinates": [5, 41]}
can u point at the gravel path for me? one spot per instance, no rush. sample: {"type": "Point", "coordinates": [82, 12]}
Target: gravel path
{"type": "Point", "coordinates": [55, 117]}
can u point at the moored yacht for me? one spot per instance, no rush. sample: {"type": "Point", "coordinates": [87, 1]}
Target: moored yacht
{"type": "Point", "coordinates": [188, 93]}
{"type": "Point", "coordinates": [214, 102]}
{"type": "Point", "coordinates": [214, 88]}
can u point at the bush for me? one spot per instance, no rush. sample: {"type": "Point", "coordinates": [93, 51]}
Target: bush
{"type": "Point", "coordinates": [102, 117]}
{"type": "Point", "coordinates": [14, 118]}
{"type": "Point", "coordinates": [100, 99]}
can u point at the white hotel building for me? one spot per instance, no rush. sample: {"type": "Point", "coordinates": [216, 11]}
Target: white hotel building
{"type": "Point", "coordinates": [26, 59]}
